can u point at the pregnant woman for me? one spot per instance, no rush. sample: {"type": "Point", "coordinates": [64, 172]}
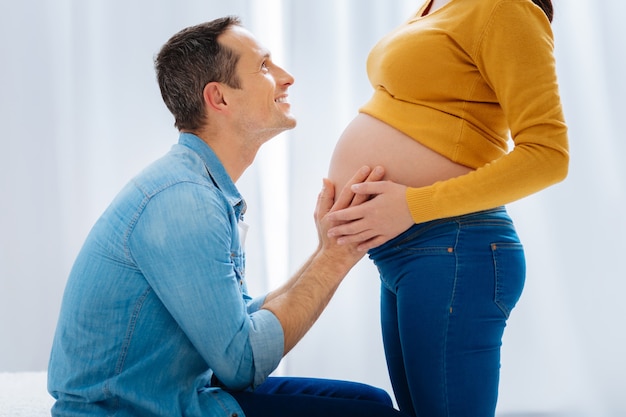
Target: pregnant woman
{"type": "Point", "coordinates": [452, 85]}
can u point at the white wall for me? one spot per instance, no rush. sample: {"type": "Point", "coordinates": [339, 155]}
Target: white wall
{"type": "Point", "coordinates": [80, 113]}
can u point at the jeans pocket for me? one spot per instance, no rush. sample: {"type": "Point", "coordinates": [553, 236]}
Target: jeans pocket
{"type": "Point", "coordinates": [510, 274]}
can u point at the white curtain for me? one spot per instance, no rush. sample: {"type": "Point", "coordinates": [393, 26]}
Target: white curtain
{"type": "Point", "coordinates": [80, 113]}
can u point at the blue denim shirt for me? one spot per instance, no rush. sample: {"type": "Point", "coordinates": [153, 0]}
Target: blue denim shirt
{"type": "Point", "coordinates": [156, 302]}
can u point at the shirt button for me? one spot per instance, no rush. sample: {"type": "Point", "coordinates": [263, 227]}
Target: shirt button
{"type": "Point", "coordinates": [234, 415]}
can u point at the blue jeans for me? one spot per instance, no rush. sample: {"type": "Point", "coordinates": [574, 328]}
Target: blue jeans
{"type": "Point", "coordinates": [312, 397]}
{"type": "Point", "coordinates": [447, 289]}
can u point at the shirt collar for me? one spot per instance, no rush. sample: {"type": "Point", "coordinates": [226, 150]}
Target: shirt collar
{"type": "Point", "coordinates": [215, 170]}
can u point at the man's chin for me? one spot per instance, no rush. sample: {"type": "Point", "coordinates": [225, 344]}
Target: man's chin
{"type": "Point", "coordinates": [290, 123]}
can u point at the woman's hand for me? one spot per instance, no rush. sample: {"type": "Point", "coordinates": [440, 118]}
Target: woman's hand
{"type": "Point", "coordinates": [382, 217]}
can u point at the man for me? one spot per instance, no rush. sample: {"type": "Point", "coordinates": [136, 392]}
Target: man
{"type": "Point", "coordinates": [156, 319]}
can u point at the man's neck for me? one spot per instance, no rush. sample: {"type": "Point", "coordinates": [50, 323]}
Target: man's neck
{"type": "Point", "coordinates": [230, 150]}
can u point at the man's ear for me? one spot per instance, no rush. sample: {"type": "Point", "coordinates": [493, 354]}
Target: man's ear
{"type": "Point", "coordinates": [214, 98]}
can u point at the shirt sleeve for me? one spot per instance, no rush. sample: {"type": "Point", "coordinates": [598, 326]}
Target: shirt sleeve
{"type": "Point", "coordinates": [515, 57]}
{"type": "Point", "coordinates": [186, 244]}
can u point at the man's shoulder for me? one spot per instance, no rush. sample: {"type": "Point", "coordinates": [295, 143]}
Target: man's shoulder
{"type": "Point", "coordinates": [179, 166]}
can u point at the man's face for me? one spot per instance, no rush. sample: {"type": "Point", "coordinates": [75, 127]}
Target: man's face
{"type": "Point", "coordinates": [260, 106]}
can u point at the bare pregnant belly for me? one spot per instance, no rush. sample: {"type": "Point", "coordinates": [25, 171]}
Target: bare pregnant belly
{"type": "Point", "coordinates": [368, 141]}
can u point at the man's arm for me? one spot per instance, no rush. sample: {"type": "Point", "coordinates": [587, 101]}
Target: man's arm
{"type": "Point", "coordinates": [300, 301]}
{"type": "Point", "coordinates": [188, 258]}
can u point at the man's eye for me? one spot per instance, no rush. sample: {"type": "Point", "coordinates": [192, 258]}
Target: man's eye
{"type": "Point", "coordinates": [264, 67]}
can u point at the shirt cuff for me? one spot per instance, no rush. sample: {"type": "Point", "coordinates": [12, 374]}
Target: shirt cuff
{"type": "Point", "coordinates": [255, 304]}
{"type": "Point", "coordinates": [420, 202]}
{"type": "Point", "coordinates": [267, 341]}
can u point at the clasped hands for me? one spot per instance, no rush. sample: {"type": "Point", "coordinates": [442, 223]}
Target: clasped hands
{"type": "Point", "coordinates": [368, 212]}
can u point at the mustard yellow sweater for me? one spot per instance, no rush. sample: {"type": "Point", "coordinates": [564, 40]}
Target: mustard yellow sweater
{"type": "Point", "coordinates": [460, 81]}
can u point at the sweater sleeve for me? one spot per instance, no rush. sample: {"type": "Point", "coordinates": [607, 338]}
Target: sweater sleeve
{"type": "Point", "coordinates": [515, 57]}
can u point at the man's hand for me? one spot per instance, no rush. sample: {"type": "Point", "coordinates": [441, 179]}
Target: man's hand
{"type": "Point", "coordinates": [326, 204]}
{"type": "Point", "coordinates": [374, 222]}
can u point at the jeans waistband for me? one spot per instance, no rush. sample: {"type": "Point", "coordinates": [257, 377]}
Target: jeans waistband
{"type": "Point", "coordinates": [497, 214]}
